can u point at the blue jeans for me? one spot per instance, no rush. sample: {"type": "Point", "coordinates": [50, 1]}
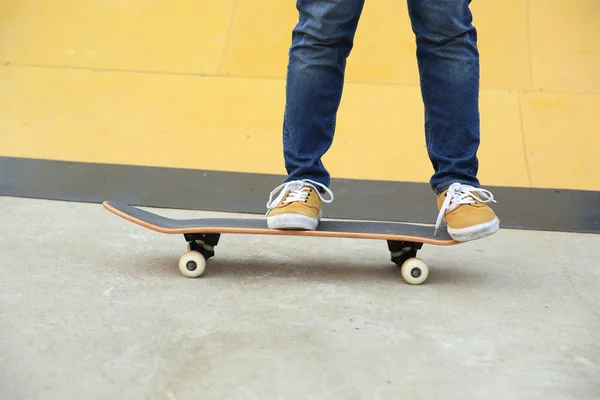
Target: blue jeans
{"type": "Point", "coordinates": [448, 62]}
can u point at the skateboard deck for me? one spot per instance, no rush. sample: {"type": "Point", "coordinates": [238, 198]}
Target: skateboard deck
{"type": "Point", "coordinates": [202, 235]}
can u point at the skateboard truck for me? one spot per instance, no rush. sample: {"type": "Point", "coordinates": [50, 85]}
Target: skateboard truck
{"type": "Point", "coordinates": [402, 251]}
{"type": "Point", "coordinates": [203, 243]}
{"type": "Point", "coordinates": [201, 247]}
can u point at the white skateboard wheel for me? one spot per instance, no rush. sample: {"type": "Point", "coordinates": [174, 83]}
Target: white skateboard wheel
{"type": "Point", "coordinates": [414, 271]}
{"type": "Point", "coordinates": [192, 264]}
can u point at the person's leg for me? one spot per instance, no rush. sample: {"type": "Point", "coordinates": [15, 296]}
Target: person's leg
{"type": "Point", "coordinates": [321, 42]}
{"type": "Point", "coordinates": [448, 62]}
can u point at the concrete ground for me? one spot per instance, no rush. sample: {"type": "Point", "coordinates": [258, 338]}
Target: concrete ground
{"type": "Point", "coordinates": [94, 307]}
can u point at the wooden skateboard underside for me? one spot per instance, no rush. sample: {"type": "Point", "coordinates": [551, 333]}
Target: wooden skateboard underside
{"type": "Point", "coordinates": [337, 229]}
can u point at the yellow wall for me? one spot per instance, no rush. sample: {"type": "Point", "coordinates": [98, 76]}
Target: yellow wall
{"type": "Point", "coordinates": [201, 85]}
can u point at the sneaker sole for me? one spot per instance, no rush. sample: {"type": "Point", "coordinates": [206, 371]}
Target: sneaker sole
{"type": "Point", "coordinates": [292, 221]}
{"type": "Point", "coordinates": [475, 232]}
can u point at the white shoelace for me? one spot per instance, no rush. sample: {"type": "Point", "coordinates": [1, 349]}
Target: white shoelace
{"type": "Point", "coordinates": [297, 192]}
{"type": "Point", "coordinates": [462, 194]}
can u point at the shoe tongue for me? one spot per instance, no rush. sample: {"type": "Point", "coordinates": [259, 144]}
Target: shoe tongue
{"type": "Point", "coordinates": [294, 189]}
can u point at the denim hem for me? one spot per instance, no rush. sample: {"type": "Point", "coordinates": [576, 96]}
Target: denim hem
{"type": "Point", "coordinates": [437, 189]}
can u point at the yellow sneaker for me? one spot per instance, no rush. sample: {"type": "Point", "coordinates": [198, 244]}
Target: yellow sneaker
{"type": "Point", "coordinates": [298, 206]}
{"type": "Point", "coordinates": [466, 213]}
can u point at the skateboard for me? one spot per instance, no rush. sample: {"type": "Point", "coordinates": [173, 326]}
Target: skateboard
{"type": "Point", "coordinates": [202, 236]}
